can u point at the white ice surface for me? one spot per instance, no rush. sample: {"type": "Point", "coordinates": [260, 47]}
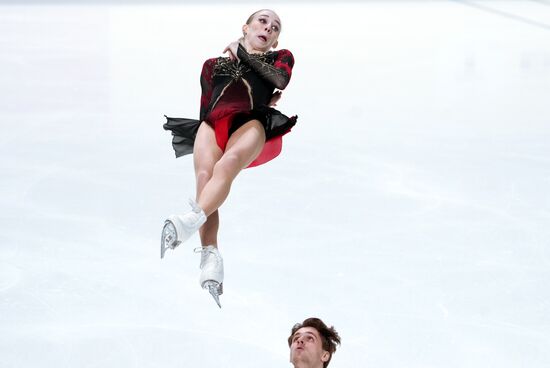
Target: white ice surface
{"type": "Point", "coordinates": [410, 207]}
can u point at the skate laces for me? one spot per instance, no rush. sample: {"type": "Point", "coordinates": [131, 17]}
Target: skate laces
{"type": "Point", "coordinates": [205, 251]}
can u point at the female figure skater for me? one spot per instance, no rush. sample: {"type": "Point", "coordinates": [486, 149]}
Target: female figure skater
{"type": "Point", "coordinates": [237, 129]}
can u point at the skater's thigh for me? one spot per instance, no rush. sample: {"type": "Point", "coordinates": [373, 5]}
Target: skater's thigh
{"type": "Point", "coordinates": [206, 151]}
{"type": "Point", "coordinates": [246, 143]}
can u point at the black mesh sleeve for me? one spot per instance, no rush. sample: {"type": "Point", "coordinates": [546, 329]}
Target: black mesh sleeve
{"type": "Point", "coordinates": [277, 74]}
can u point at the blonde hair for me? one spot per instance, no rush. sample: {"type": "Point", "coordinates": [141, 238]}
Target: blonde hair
{"type": "Point", "coordinates": [249, 20]}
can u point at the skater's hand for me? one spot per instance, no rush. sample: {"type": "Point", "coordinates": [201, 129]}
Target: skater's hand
{"type": "Point", "coordinates": [231, 49]}
{"type": "Point", "coordinates": [275, 98]}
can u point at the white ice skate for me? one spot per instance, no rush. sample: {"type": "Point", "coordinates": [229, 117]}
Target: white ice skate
{"type": "Point", "coordinates": [178, 228]}
{"type": "Point", "coordinates": [212, 271]}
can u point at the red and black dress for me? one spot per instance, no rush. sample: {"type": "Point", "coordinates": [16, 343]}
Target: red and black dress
{"type": "Point", "coordinates": [234, 93]}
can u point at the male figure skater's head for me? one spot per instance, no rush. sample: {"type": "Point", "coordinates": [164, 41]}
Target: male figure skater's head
{"type": "Point", "coordinates": [312, 344]}
{"type": "Point", "coordinates": [261, 31]}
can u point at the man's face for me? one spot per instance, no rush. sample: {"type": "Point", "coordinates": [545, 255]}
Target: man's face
{"type": "Point", "coordinates": [306, 349]}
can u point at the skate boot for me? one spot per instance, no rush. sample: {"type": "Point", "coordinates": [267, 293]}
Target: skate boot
{"type": "Point", "coordinates": [212, 271]}
{"type": "Point", "coordinates": [178, 228]}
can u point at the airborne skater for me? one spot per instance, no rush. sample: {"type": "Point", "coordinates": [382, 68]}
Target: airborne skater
{"type": "Point", "coordinates": [237, 129]}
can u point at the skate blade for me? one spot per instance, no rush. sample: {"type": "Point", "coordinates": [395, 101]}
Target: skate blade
{"type": "Point", "coordinates": [168, 238]}
{"type": "Point", "coordinates": [215, 290]}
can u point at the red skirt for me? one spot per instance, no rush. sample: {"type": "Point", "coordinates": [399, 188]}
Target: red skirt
{"type": "Point", "coordinates": [226, 122]}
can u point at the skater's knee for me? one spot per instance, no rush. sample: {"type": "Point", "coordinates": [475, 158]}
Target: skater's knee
{"type": "Point", "coordinates": [229, 165]}
{"type": "Point", "coordinates": [203, 176]}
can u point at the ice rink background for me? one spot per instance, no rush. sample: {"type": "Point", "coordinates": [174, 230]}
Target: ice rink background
{"type": "Point", "coordinates": [410, 207]}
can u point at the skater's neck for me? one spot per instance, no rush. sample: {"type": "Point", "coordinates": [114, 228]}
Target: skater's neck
{"type": "Point", "coordinates": [307, 365]}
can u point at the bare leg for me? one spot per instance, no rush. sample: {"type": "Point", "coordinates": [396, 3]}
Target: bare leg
{"type": "Point", "coordinates": [206, 154]}
{"type": "Point", "coordinates": [243, 147]}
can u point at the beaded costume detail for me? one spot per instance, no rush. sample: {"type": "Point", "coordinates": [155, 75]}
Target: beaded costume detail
{"type": "Point", "coordinates": [227, 67]}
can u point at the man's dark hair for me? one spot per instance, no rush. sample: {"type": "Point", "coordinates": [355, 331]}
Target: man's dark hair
{"type": "Point", "coordinates": [329, 336]}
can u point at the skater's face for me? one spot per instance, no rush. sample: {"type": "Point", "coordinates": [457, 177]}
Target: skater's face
{"type": "Point", "coordinates": [306, 348]}
{"type": "Point", "coordinates": [262, 30]}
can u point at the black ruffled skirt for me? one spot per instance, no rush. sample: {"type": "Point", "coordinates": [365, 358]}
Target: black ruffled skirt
{"type": "Point", "coordinates": [225, 123]}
